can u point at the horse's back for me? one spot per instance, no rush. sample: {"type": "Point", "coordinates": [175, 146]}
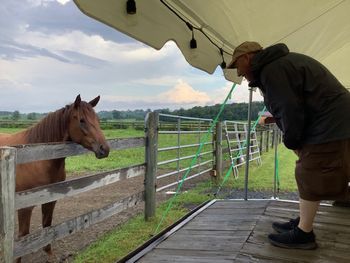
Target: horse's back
{"type": "Point", "coordinates": [7, 139]}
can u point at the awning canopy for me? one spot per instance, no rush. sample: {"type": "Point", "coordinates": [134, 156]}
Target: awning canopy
{"type": "Point", "coordinates": [318, 28]}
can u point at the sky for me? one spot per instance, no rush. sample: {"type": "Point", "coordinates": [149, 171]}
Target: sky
{"type": "Point", "coordinates": [50, 52]}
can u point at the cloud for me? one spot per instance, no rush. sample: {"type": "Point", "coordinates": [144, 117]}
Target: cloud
{"type": "Point", "coordinates": [46, 2]}
{"type": "Point", "coordinates": [184, 94]}
{"type": "Point", "coordinates": [93, 46]}
{"type": "Point", "coordinates": [239, 94]}
{"type": "Point", "coordinates": [8, 84]}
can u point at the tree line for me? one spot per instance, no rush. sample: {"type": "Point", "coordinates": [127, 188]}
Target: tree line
{"type": "Point", "coordinates": [234, 111]}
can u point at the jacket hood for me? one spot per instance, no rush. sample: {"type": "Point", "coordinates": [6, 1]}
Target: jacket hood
{"type": "Point", "coordinates": [265, 57]}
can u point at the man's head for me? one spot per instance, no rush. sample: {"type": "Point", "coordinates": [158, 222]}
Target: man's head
{"type": "Point", "coordinates": [242, 56]}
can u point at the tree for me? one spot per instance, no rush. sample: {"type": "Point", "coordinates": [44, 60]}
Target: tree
{"type": "Point", "coordinates": [31, 116]}
{"type": "Point", "coordinates": [116, 114]}
{"type": "Point", "coordinates": [16, 115]}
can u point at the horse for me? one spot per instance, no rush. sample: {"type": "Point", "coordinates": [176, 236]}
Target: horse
{"type": "Point", "coordinates": [76, 122]}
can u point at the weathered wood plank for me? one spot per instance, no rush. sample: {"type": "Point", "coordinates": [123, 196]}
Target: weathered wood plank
{"type": "Point", "coordinates": [232, 212]}
{"type": "Point", "coordinates": [35, 241]}
{"type": "Point", "coordinates": [233, 244]}
{"type": "Point", "coordinates": [187, 256]}
{"type": "Point", "coordinates": [247, 258]}
{"type": "Point", "coordinates": [209, 244]}
{"type": "Point", "coordinates": [52, 192]}
{"type": "Point", "coordinates": [238, 204]}
{"type": "Point", "coordinates": [228, 225]}
{"type": "Point", "coordinates": [209, 233]}
{"type": "Point", "coordinates": [240, 214]}
{"type": "Point", "coordinates": [7, 202]}
{"type": "Point", "coordinates": [36, 152]}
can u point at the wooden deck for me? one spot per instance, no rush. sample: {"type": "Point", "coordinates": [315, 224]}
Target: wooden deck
{"type": "Point", "coordinates": [236, 231]}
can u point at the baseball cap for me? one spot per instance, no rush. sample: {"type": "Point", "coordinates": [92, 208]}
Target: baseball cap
{"type": "Point", "coordinates": [244, 48]}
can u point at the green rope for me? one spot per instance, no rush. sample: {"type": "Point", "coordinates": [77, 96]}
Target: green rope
{"type": "Point", "coordinates": [238, 154]}
{"type": "Point", "coordinates": [195, 158]}
{"type": "Point", "coordinates": [277, 173]}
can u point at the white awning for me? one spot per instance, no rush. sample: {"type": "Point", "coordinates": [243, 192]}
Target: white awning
{"type": "Point", "coordinates": [318, 28]}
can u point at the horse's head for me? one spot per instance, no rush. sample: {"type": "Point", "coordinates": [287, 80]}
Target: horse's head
{"type": "Point", "coordinates": [84, 127]}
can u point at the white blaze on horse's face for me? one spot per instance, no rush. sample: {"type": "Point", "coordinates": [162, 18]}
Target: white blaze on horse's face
{"type": "Point", "coordinates": [84, 127]}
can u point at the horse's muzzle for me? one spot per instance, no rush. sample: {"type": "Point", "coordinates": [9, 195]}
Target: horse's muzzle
{"type": "Point", "coordinates": [101, 151]}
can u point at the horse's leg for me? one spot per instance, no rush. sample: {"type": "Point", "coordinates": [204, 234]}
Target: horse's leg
{"type": "Point", "coordinates": [47, 212]}
{"type": "Point", "coordinates": [24, 216]}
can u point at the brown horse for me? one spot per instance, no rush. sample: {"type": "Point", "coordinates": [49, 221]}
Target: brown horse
{"type": "Point", "coordinates": [77, 122]}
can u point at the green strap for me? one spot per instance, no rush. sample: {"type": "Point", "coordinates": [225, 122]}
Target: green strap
{"type": "Point", "coordinates": [238, 154]}
{"type": "Point", "coordinates": [277, 173]}
{"type": "Point", "coordinates": [194, 160]}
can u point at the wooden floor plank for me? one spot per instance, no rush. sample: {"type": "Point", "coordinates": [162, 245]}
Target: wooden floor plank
{"type": "Point", "coordinates": [236, 231]}
{"type": "Point", "coordinates": [190, 256]}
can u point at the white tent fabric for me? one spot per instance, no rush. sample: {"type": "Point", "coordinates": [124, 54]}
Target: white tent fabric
{"type": "Point", "coordinates": [318, 28]}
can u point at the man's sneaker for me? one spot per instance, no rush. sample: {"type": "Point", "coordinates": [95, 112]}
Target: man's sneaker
{"type": "Point", "coordinates": [295, 238]}
{"type": "Point", "coordinates": [284, 227]}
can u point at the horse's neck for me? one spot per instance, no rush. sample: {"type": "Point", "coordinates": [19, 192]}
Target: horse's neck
{"type": "Point", "coordinates": [53, 128]}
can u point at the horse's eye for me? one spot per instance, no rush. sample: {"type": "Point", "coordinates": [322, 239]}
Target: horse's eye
{"type": "Point", "coordinates": [83, 125]}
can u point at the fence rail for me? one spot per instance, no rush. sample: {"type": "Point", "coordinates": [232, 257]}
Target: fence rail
{"type": "Point", "coordinates": [33, 242]}
{"type": "Point", "coordinates": [57, 191]}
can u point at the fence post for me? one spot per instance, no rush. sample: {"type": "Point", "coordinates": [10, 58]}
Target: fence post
{"type": "Point", "coordinates": [218, 150]}
{"type": "Point", "coordinates": [273, 139]}
{"type": "Point", "coordinates": [7, 203]}
{"type": "Point", "coordinates": [267, 139]}
{"type": "Point", "coordinates": [152, 120]}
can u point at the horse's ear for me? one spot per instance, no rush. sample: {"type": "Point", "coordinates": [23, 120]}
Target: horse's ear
{"type": "Point", "coordinates": [77, 101]}
{"type": "Point", "coordinates": [94, 102]}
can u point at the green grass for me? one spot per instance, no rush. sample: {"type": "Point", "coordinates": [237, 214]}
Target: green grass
{"type": "Point", "coordinates": [122, 240]}
{"type": "Point", "coordinates": [261, 177]}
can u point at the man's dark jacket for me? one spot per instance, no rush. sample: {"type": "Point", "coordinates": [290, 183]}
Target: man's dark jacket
{"type": "Point", "coordinates": [309, 104]}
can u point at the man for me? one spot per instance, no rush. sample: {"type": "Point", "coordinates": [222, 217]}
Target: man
{"type": "Point", "coordinates": [312, 109]}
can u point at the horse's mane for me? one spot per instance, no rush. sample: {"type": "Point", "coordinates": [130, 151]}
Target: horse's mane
{"type": "Point", "coordinates": [52, 128]}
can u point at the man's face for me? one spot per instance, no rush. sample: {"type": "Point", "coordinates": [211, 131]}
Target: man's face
{"type": "Point", "coordinates": [243, 66]}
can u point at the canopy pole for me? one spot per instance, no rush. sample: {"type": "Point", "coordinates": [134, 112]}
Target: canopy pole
{"type": "Point", "coordinates": [248, 144]}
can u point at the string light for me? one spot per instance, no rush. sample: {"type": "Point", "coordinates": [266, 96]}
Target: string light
{"type": "Point", "coordinates": [131, 7]}
{"type": "Point", "coordinates": [223, 63]}
{"type": "Point", "coordinates": [193, 42]}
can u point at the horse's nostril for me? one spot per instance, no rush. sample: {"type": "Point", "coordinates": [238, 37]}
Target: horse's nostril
{"type": "Point", "coordinates": [103, 151]}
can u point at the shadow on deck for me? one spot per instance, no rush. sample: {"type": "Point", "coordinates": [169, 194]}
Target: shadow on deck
{"type": "Point", "coordinates": [236, 231]}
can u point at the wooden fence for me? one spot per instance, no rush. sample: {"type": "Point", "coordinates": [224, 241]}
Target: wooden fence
{"type": "Point", "coordinates": [10, 201]}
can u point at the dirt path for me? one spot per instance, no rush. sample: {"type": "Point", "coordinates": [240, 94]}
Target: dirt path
{"type": "Point", "coordinates": [66, 248]}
